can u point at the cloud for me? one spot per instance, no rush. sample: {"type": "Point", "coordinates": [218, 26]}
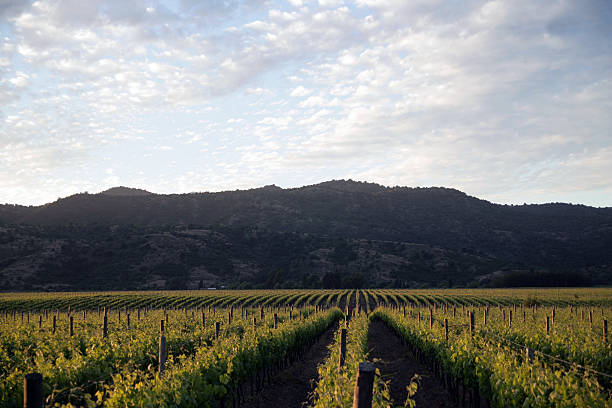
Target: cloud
{"type": "Point", "coordinates": [10, 8]}
{"type": "Point", "coordinates": [498, 98]}
{"type": "Point", "coordinates": [300, 91]}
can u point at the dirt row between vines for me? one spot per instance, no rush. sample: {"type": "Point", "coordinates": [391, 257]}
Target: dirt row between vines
{"type": "Point", "coordinates": [396, 364]}
{"type": "Point", "coordinates": [292, 386]}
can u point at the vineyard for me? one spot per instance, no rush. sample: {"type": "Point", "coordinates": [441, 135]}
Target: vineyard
{"type": "Point", "coordinates": [215, 348]}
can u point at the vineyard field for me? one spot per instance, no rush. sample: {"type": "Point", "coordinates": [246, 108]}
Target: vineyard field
{"type": "Point", "coordinates": [215, 348]}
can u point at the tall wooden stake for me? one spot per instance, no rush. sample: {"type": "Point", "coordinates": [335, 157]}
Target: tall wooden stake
{"type": "Point", "coordinates": [162, 354]}
{"type": "Point", "coordinates": [362, 396]}
{"type": "Point", "coordinates": [32, 391]}
{"type": "Point", "coordinates": [446, 329]}
{"type": "Point", "coordinates": [342, 356]}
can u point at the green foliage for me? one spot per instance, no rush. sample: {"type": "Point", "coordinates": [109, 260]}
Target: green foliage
{"type": "Point", "coordinates": [336, 384]}
{"type": "Point", "coordinates": [493, 365]}
{"type": "Point", "coordinates": [88, 370]}
{"type": "Point", "coordinates": [120, 370]}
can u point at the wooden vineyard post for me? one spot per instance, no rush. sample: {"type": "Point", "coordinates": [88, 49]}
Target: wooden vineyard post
{"type": "Point", "coordinates": [529, 354]}
{"type": "Point", "coordinates": [162, 353]}
{"type": "Point", "coordinates": [261, 313]}
{"type": "Point", "coordinates": [138, 313]}
{"type": "Point", "coordinates": [40, 321]}
{"type": "Point", "coordinates": [484, 317]}
{"type": "Point", "coordinates": [54, 324]}
{"type": "Point", "coordinates": [275, 321]}
{"type": "Point", "coordinates": [553, 316]}
{"type": "Point", "coordinates": [203, 320]}
{"type": "Point", "coordinates": [446, 329]}
{"type": "Point", "coordinates": [229, 317]}
{"type": "Point", "coordinates": [430, 318]}
{"type": "Point", "coordinates": [217, 330]}
{"type": "Point", "coordinates": [127, 316]}
{"type": "Point", "coordinates": [254, 322]}
{"type": "Point", "coordinates": [342, 356]}
{"type": "Point", "coordinates": [32, 391]}
{"type": "Point", "coordinates": [471, 324]}
{"type": "Point", "coordinates": [547, 325]}
{"type": "Point", "coordinates": [71, 326]}
{"type": "Point", "coordinates": [104, 325]}
{"type": "Point", "coordinates": [591, 318]}
{"type": "Point", "coordinates": [510, 318]}
{"type": "Point", "coordinates": [605, 331]}
{"type": "Point", "coordinates": [364, 385]}
{"type": "Point", "coordinates": [454, 312]}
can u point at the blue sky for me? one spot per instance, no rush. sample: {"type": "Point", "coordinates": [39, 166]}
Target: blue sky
{"type": "Point", "coordinates": [509, 101]}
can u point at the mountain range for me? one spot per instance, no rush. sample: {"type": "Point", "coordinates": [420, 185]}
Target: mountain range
{"type": "Point", "coordinates": [339, 233]}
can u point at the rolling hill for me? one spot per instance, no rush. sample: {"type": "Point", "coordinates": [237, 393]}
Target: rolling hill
{"type": "Point", "coordinates": [336, 233]}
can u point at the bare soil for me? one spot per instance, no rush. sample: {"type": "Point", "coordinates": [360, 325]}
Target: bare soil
{"type": "Point", "coordinates": [292, 386]}
{"type": "Point", "coordinates": [396, 364]}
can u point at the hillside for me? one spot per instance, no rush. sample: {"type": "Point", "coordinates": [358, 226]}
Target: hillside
{"type": "Point", "coordinates": [342, 231]}
{"type": "Point", "coordinates": [125, 191]}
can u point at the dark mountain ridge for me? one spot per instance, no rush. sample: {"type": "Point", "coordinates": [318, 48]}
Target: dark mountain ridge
{"type": "Point", "coordinates": [548, 237]}
{"type": "Point", "coordinates": [125, 191]}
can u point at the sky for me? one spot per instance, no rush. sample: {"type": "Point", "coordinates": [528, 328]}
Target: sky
{"type": "Point", "coordinates": [509, 101]}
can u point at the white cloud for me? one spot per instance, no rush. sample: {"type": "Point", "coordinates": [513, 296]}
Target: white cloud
{"type": "Point", "coordinates": [20, 80]}
{"type": "Point", "coordinates": [491, 97]}
{"type": "Point", "coordinates": [278, 122]}
{"type": "Point", "coordinates": [258, 91]}
{"type": "Point", "coordinates": [300, 91]}
{"type": "Point", "coordinates": [315, 101]}
{"type": "Point", "coordinates": [331, 3]}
